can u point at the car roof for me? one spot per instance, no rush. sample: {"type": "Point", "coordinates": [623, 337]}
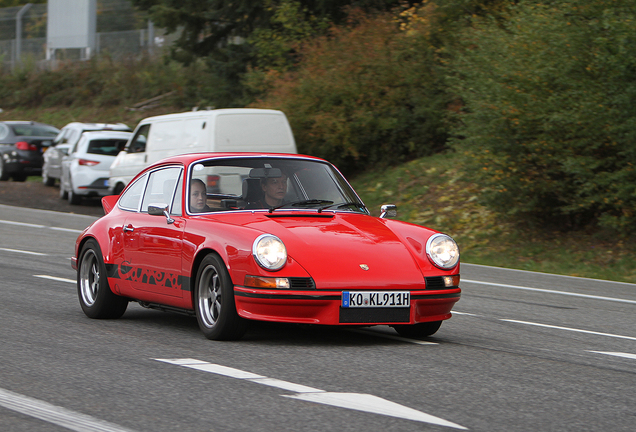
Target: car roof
{"type": "Point", "coordinates": [96, 126]}
{"type": "Point", "coordinates": [25, 122]}
{"type": "Point", "coordinates": [190, 158]}
{"type": "Point", "coordinates": [91, 135]}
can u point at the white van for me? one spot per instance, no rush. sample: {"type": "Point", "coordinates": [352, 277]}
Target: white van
{"type": "Point", "coordinates": [221, 130]}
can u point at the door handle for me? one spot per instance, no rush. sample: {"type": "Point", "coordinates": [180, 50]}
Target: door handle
{"type": "Point", "coordinates": [129, 228]}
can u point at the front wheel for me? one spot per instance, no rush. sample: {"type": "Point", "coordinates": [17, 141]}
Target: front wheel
{"type": "Point", "coordinates": [214, 302]}
{"type": "Point", "coordinates": [418, 331]}
{"type": "Point", "coordinates": [95, 296]}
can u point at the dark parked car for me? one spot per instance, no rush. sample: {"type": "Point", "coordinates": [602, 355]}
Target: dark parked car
{"type": "Point", "coordinates": [21, 146]}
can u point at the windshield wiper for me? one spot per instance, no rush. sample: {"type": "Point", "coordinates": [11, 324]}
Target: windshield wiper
{"type": "Point", "coordinates": [345, 204]}
{"type": "Point", "coordinates": [303, 203]}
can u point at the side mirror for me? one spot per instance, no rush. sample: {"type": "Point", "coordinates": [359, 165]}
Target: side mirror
{"type": "Point", "coordinates": [388, 210]}
{"type": "Point", "coordinates": [160, 210]}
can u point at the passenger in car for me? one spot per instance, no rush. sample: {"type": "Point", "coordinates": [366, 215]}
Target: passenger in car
{"type": "Point", "coordinates": [198, 196]}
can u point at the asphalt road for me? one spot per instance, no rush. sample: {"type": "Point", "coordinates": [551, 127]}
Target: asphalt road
{"type": "Point", "coordinates": [523, 352]}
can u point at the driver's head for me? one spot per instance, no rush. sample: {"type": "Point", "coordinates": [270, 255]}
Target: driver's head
{"type": "Point", "coordinates": [275, 189]}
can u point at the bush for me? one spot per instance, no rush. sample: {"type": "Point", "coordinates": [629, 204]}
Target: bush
{"type": "Point", "coordinates": [549, 119]}
{"type": "Point", "coordinates": [367, 94]}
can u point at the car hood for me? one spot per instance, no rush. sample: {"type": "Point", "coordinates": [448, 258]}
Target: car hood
{"type": "Point", "coordinates": [347, 250]}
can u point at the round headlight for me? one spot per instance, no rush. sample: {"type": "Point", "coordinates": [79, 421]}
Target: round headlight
{"type": "Point", "coordinates": [269, 252]}
{"type": "Point", "coordinates": [442, 251]}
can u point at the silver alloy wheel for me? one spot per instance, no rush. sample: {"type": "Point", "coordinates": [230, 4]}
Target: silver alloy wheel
{"type": "Point", "coordinates": [210, 296]}
{"type": "Point", "coordinates": [89, 278]}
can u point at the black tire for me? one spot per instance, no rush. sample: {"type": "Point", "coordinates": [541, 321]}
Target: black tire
{"type": "Point", "coordinates": [95, 296]}
{"type": "Point", "coordinates": [214, 302]}
{"type": "Point", "coordinates": [4, 176]}
{"type": "Point", "coordinates": [73, 198]}
{"type": "Point", "coordinates": [118, 189]}
{"type": "Point", "coordinates": [48, 181]}
{"type": "Point", "coordinates": [418, 331]}
{"type": "Point", "coordinates": [63, 193]}
{"type": "Point", "coordinates": [19, 177]}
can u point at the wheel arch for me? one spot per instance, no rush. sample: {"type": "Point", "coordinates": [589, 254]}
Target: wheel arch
{"type": "Point", "coordinates": [196, 263]}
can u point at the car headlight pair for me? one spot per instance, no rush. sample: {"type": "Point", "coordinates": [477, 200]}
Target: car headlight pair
{"type": "Point", "coordinates": [442, 251]}
{"type": "Point", "coordinates": [269, 252]}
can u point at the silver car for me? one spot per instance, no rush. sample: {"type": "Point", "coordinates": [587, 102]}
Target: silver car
{"type": "Point", "coordinates": [67, 137]}
{"type": "Point", "coordinates": [86, 167]}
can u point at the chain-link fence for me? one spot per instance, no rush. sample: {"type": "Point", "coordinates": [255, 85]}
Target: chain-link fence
{"type": "Point", "coordinates": [121, 31]}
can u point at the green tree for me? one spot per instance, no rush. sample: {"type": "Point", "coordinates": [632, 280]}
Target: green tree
{"type": "Point", "coordinates": [549, 118]}
{"type": "Point", "coordinates": [233, 36]}
{"type": "Point", "coordinates": [367, 94]}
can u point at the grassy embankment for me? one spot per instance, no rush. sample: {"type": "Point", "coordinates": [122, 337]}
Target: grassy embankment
{"type": "Point", "coordinates": [431, 192]}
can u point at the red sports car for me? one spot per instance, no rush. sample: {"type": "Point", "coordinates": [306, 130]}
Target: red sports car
{"type": "Point", "coordinates": [235, 238]}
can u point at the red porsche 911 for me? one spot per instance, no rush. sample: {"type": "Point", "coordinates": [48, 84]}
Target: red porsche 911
{"type": "Point", "coordinates": [236, 238]}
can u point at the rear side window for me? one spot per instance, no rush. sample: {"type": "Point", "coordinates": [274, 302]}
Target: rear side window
{"type": "Point", "coordinates": [35, 130]}
{"type": "Point", "coordinates": [131, 198]}
{"type": "Point", "coordinates": [4, 131]}
{"type": "Point", "coordinates": [108, 147]}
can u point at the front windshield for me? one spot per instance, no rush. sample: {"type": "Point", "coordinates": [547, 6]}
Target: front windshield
{"type": "Point", "coordinates": [270, 184]}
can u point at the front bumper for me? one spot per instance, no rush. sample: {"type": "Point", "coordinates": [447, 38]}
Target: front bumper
{"type": "Point", "coordinates": [325, 307]}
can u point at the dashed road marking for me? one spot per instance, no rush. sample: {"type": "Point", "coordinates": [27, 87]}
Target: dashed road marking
{"type": "Point", "coordinates": [616, 354]}
{"type": "Point", "coordinates": [354, 401]}
{"type": "Point", "coordinates": [22, 251]}
{"type": "Point", "coordinates": [55, 414]}
{"type": "Point", "coordinates": [565, 293]}
{"type": "Point", "coordinates": [55, 278]}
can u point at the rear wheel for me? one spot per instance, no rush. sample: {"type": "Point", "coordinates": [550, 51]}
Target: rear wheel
{"type": "Point", "coordinates": [4, 176]}
{"type": "Point", "coordinates": [214, 302]}
{"type": "Point", "coordinates": [417, 331]}
{"type": "Point", "coordinates": [48, 181]}
{"type": "Point", "coordinates": [19, 177]}
{"type": "Point", "coordinates": [73, 198]}
{"type": "Point", "coordinates": [95, 296]}
{"type": "Point", "coordinates": [63, 193]}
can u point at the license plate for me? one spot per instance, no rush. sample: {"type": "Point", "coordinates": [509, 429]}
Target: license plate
{"type": "Point", "coordinates": [384, 299]}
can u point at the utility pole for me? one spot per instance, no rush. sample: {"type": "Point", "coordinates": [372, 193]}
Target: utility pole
{"type": "Point", "coordinates": [18, 33]}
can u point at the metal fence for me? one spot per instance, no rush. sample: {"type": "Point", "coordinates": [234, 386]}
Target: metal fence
{"type": "Point", "coordinates": [121, 32]}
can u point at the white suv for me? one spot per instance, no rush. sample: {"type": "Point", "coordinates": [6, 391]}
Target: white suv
{"type": "Point", "coordinates": [67, 138]}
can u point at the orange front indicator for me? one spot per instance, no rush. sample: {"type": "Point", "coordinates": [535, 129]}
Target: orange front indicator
{"type": "Point", "coordinates": [267, 282]}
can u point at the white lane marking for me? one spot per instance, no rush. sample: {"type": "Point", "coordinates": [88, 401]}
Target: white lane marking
{"type": "Point", "coordinates": [464, 313]}
{"type": "Point", "coordinates": [22, 251]}
{"type": "Point", "coordinates": [570, 329]}
{"type": "Point", "coordinates": [55, 278]}
{"type": "Point", "coordinates": [552, 327]}
{"type": "Point", "coordinates": [551, 291]}
{"type": "Point", "coordinates": [616, 354]}
{"type": "Point", "coordinates": [40, 226]}
{"type": "Point", "coordinates": [355, 401]}
{"type": "Point", "coordinates": [66, 229]}
{"type": "Point", "coordinates": [56, 414]}
{"type": "Point", "coordinates": [372, 404]}
{"type": "Point", "coordinates": [547, 274]}
{"type": "Point", "coordinates": [390, 336]}
{"type": "Point", "coordinates": [21, 224]}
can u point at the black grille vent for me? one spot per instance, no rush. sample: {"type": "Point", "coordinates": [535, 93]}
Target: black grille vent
{"type": "Point", "coordinates": [302, 283]}
{"type": "Point", "coordinates": [435, 283]}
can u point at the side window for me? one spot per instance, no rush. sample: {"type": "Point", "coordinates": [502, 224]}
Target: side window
{"type": "Point", "coordinates": [161, 187]}
{"type": "Point", "coordinates": [138, 143]}
{"type": "Point", "coordinates": [4, 131]}
{"type": "Point", "coordinates": [72, 136]}
{"type": "Point", "coordinates": [131, 198]}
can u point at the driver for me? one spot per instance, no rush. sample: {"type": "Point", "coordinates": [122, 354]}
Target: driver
{"type": "Point", "coordinates": [274, 190]}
